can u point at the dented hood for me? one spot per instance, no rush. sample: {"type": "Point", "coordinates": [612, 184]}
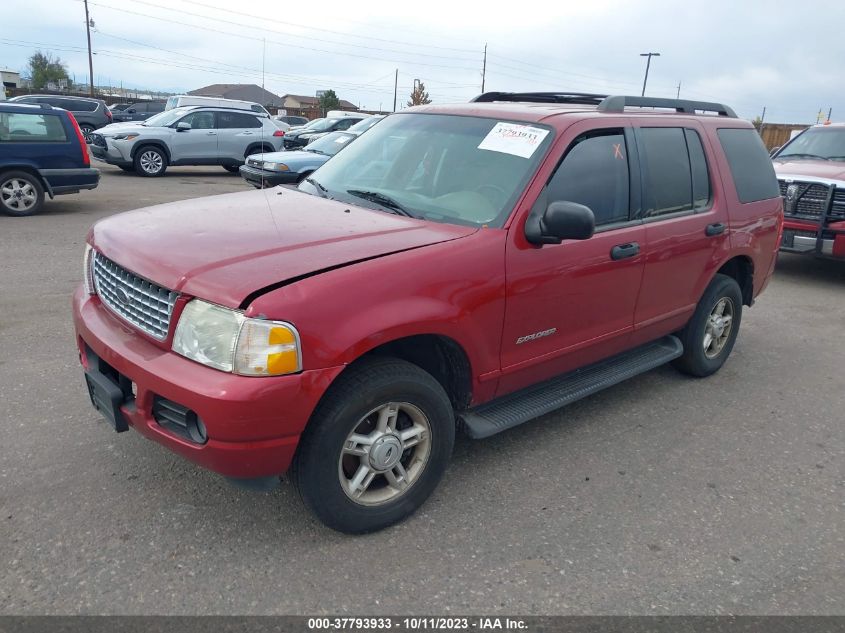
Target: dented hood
{"type": "Point", "coordinates": [225, 248]}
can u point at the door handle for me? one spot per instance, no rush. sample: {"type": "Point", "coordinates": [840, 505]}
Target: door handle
{"type": "Point", "coordinates": [212, 133]}
{"type": "Point", "coordinates": [715, 229]}
{"type": "Point", "coordinates": [621, 251]}
{"type": "Point", "coordinates": [246, 133]}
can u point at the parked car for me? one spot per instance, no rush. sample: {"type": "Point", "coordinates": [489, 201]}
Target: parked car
{"type": "Point", "coordinates": [90, 114]}
{"type": "Point", "coordinates": [180, 101]}
{"type": "Point", "coordinates": [140, 111]}
{"type": "Point", "coordinates": [365, 124]}
{"type": "Point", "coordinates": [811, 174]}
{"type": "Point", "coordinates": [293, 166]}
{"type": "Point", "coordinates": [118, 107]}
{"type": "Point", "coordinates": [468, 266]}
{"type": "Point", "coordinates": [42, 153]}
{"type": "Point", "coordinates": [294, 139]}
{"type": "Point", "coordinates": [292, 121]}
{"type": "Point", "coordinates": [191, 135]}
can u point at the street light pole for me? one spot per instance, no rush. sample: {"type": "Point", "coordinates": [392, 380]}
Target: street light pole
{"type": "Point", "coordinates": [90, 58]}
{"type": "Point", "coordinates": [647, 66]}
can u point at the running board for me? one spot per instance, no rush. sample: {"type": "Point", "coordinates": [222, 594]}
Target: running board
{"type": "Point", "coordinates": [532, 402]}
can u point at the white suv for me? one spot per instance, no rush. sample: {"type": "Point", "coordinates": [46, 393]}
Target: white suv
{"type": "Point", "coordinates": [193, 135]}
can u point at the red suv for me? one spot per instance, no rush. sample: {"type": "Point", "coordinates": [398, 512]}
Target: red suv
{"type": "Point", "coordinates": [458, 267]}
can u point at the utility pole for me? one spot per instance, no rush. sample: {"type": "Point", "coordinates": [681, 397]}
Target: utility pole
{"type": "Point", "coordinates": [395, 89]}
{"type": "Point", "coordinates": [678, 96]}
{"type": "Point", "coordinates": [484, 69]}
{"type": "Point", "coordinates": [829, 112]}
{"type": "Point", "coordinates": [647, 66]}
{"type": "Point", "coordinates": [90, 58]}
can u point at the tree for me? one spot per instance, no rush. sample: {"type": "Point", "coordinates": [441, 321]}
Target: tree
{"type": "Point", "coordinates": [757, 123]}
{"type": "Point", "coordinates": [44, 68]}
{"type": "Point", "coordinates": [418, 95]}
{"type": "Point", "coordinates": [329, 101]}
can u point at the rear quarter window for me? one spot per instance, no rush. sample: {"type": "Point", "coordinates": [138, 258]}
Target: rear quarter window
{"type": "Point", "coordinates": [753, 173]}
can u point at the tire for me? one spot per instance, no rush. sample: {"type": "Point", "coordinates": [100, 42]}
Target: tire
{"type": "Point", "coordinates": [21, 193]}
{"type": "Point", "coordinates": [232, 169]}
{"type": "Point", "coordinates": [87, 130]}
{"type": "Point", "coordinates": [383, 400]}
{"type": "Point", "coordinates": [708, 343]}
{"type": "Point", "coordinates": [150, 161]}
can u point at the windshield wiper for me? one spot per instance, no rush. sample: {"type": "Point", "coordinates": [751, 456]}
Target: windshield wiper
{"type": "Point", "coordinates": [324, 193]}
{"type": "Point", "coordinates": [315, 151]}
{"type": "Point", "coordinates": [385, 201]}
{"type": "Point", "coordinates": [799, 155]}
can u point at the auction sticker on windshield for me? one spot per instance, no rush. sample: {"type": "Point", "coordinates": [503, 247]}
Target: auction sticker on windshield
{"type": "Point", "coordinates": [512, 138]}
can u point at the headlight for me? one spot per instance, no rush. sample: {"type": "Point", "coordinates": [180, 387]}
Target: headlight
{"type": "Point", "coordinates": [226, 340]}
{"type": "Point", "coordinates": [125, 137]}
{"type": "Point", "coordinates": [88, 270]}
{"type": "Point", "coordinates": [276, 167]}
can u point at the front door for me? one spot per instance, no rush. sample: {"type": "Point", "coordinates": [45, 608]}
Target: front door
{"type": "Point", "coordinates": [197, 145]}
{"type": "Point", "coordinates": [573, 303]}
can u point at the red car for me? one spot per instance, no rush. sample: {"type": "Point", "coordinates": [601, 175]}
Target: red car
{"type": "Point", "coordinates": [458, 267]}
{"type": "Point", "coordinates": [811, 173]}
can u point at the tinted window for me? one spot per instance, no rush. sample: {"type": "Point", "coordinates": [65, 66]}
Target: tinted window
{"type": "Point", "coordinates": [199, 120]}
{"type": "Point", "coordinates": [666, 170]}
{"type": "Point", "coordinates": [76, 105]}
{"type": "Point", "coordinates": [31, 128]}
{"type": "Point", "coordinates": [751, 167]}
{"type": "Point", "coordinates": [155, 107]}
{"type": "Point", "coordinates": [345, 124]}
{"type": "Point", "coordinates": [228, 120]}
{"type": "Point", "coordinates": [595, 173]}
{"type": "Point", "coordinates": [699, 171]}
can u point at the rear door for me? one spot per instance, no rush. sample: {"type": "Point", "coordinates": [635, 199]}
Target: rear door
{"type": "Point", "coordinates": [199, 144]}
{"type": "Point", "coordinates": [573, 303]}
{"type": "Point", "coordinates": [686, 224]}
{"type": "Point", "coordinates": [236, 132]}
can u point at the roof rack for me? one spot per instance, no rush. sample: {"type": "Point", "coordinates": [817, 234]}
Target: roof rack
{"type": "Point", "coordinates": [618, 104]}
{"type": "Point", "coordinates": [605, 103]}
{"type": "Point", "coordinates": [585, 98]}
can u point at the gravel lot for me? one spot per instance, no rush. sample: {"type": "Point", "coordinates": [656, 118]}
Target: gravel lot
{"type": "Point", "coordinates": [663, 495]}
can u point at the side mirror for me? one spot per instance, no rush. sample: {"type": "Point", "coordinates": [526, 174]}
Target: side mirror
{"type": "Point", "coordinates": [182, 126]}
{"type": "Point", "coordinates": [561, 221]}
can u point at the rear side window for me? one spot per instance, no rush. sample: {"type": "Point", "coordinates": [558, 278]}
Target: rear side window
{"type": "Point", "coordinates": [79, 105]}
{"type": "Point", "coordinates": [699, 171]}
{"type": "Point", "coordinates": [31, 128]}
{"type": "Point", "coordinates": [228, 120]}
{"type": "Point", "coordinates": [753, 173]}
{"type": "Point", "coordinates": [594, 173]}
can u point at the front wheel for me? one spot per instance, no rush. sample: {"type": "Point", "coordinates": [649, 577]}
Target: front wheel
{"type": "Point", "coordinates": [150, 161]}
{"type": "Point", "coordinates": [376, 446]}
{"type": "Point", "coordinates": [711, 333]}
{"type": "Point", "coordinates": [21, 193]}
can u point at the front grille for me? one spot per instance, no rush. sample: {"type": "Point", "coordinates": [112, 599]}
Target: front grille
{"type": "Point", "coordinates": [837, 211]}
{"type": "Point", "coordinates": [179, 420]}
{"type": "Point", "coordinates": [811, 201]}
{"type": "Point", "coordinates": [138, 301]}
{"type": "Point", "coordinates": [98, 139]}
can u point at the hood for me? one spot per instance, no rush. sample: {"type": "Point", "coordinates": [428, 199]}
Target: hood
{"type": "Point", "coordinates": [123, 127]}
{"type": "Point", "coordinates": [292, 157]}
{"type": "Point", "coordinates": [823, 169]}
{"type": "Point", "coordinates": [225, 248]}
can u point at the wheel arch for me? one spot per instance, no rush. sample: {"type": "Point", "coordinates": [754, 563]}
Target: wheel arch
{"type": "Point", "coordinates": [29, 169]}
{"type": "Point", "coordinates": [154, 142]}
{"type": "Point", "coordinates": [741, 269]}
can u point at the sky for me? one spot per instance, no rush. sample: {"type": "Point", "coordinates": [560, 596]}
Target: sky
{"type": "Point", "coordinates": [783, 56]}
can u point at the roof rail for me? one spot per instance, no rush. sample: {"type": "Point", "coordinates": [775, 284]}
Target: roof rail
{"type": "Point", "coordinates": [585, 98]}
{"type": "Point", "coordinates": [618, 103]}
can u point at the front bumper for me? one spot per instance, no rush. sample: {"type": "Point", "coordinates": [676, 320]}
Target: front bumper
{"type": "Point", "coordinates": [262, 178]}
{"type": "Point", "coordinates": [809, 238]}
{"type": "Point", "coordinates": [113, 153]}
{"type": "Point", "coordinates": [253, 424]}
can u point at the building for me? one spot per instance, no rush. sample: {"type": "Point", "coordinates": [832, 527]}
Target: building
{"type": "Point", "coordinates": [302, 102]}
{"type": "Point", "coordinates": [10, 78]}
{"type": "Point", "coordinates": [243, 92]}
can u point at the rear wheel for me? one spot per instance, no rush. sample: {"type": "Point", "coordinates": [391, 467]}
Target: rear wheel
{"type": "Point", "coordinates": [87, 131]}
{"type": "Point", "coordinates": [150, 161]}
{"type": "Point", "coordinates": [21, 193]}
{"type": "Point", "coordinates": [711, 333]}
{"type": "Point", "coordinates": [376, 446]}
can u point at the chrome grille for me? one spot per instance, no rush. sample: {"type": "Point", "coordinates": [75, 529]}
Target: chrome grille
{"type": "Point", "coordinates": [837, 211]}
{"type": "Point", "coordinates": [136, 300]}
{"type": "Point", "coordinates": [98, 139]}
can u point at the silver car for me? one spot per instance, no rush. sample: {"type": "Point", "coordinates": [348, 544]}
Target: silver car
{"type": "Point", "coordinates": [192, 135]}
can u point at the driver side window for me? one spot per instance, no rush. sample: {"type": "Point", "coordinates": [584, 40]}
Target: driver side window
{"type": "Point", "coordinates": [199, 120]}
{"type": "Point", "coordinates": [594, 172]}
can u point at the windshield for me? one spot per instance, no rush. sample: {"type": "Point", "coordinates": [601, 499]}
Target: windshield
{"type": "Point", "coordinates": [818, 142]}
{"type": "Point", "coordinates": [166, 118]}
{"type": "Point", "coordinates": [311, 124]}
{"type": "Point", "coordinates": [446, 168]}
{"type": "Point", "coordinates": [330, 144]}
{"type": "Point", "coordinates": [321, 125]}
{"type": "Point", "coordinates": [365, 124]}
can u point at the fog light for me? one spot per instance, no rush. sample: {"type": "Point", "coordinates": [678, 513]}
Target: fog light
{"type": "Point", "coordinates": [201, 432]}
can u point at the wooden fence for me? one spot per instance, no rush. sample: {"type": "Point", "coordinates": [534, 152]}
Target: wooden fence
{"type": "Point", "coordinates": [777, 134]}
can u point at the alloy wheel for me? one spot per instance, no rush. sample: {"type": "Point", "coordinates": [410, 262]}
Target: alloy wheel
{"type": "Point", "coordinates": [717, 331]}
{"type": "Point", "coordinates": [18, 194]}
